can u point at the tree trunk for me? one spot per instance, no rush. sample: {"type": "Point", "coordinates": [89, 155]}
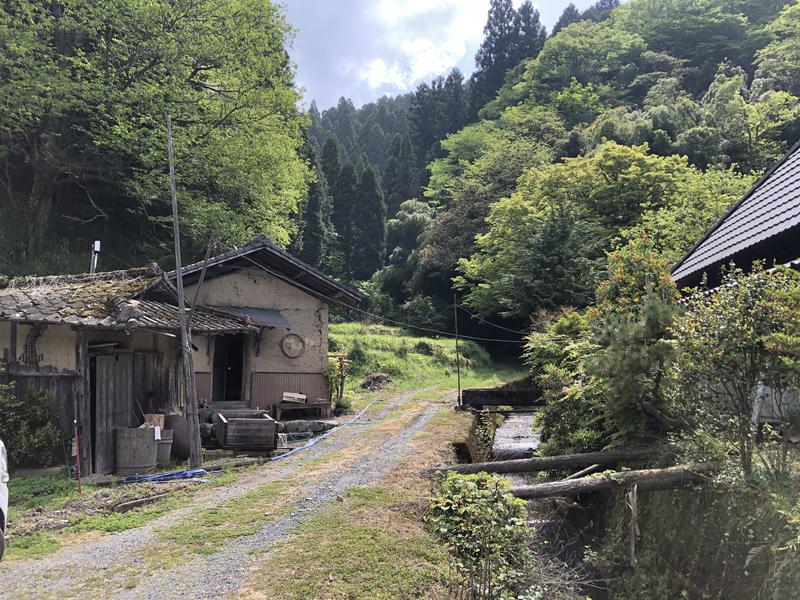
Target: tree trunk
{"type": "Point", "coordinates": [646, 480]}
{"type": "Point", "coordinates": [551, 463]}
{"type": "Point", "coordinates": [36, 213]}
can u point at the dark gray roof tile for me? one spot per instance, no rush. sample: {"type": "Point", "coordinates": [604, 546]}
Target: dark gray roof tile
{"type": "Point", "coordinates": [770, 208]}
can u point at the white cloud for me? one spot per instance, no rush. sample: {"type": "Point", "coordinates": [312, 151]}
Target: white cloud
{"type": "Point", "coordinates": [425, 38]}
{"type": "Point", "coordinates": [362, 49]}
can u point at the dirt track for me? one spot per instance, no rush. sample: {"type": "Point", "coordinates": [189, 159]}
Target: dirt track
{"type": "Point", "coordinates": [115, 565]}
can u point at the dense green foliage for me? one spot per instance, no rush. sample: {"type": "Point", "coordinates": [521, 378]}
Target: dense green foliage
{"type": "Point", "coordinates": [643, 120]}
{"type": "Point", "coordinates": [732, 344]}
{"type": "Point", "coordinates": [732, 541]}
{"type": "Point", "coordinates": [29, 429]}
{"type": "Point", "coordinates": [86, 88]}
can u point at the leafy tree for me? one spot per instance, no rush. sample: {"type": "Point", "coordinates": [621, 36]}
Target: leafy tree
{"type": "Point", "coordinates": [86, 88]}
{"type": "Point", "coordinates": [545, 243]}
{"type": "Point", "coordinates": [368, 226]}
{"type": "Point", "coordinates": [482, 165]}
{"type": "Point", "coordinates": [532, 257]}
{"type": "Point", "coordinates": [779, 61]}
{"type": "Point", "coordinates": [403, 232]}
{"type": "Point", "coordinates": [705, 32]}
{"type": "Point", "coordinates": [749, 132]}
{"type": "Point", "coordinates": [728, 353]}
{"type": "Point", "coordinates": [587, 52]}
{"type": "Point", "coordinates": [703, 198]}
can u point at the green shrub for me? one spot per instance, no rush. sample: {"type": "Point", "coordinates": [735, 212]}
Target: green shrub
{"type": "Point", "coordinates": [423, 347]}
{"type": "Point", "coordinates": [29, 428]}
{"type": "Point", "coordinates": [716, 542]}
{"type": "Point", "coordinates": [357, 355]}
{"type": "Point", "coordinates": [343, 405]}
{"type": "Point", "coordinates": [484, 529]}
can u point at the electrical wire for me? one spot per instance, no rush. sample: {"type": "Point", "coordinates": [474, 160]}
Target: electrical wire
{"type": "Point", "coordinates": [485, 322]}
{"type": "Point", "coordinates": [374, 316]}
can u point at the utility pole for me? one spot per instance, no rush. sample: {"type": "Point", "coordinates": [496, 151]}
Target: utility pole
{"type": "Point", "coordinates": [195, 458]}
{"type": "Point", "coordinates": [458, 354]}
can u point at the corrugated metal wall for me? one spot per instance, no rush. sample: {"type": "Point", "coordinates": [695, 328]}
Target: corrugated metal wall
{"type": "Point", "coordinates": [267, 388]}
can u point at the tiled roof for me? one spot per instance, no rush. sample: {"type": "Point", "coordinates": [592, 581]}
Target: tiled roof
{"type": "Point", "coordinates": [260, 253]}
{"type": "Point", "coordinates": [152, 314]}
{"type": "Point", "coordinates": [771, 207]}
{"type": "Point", "coordinates": [110, 300]}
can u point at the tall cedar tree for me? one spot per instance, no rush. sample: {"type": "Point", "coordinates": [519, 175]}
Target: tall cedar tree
{"type": "Point", "coordinates": [509, 37]}
{"type": "Point", "coordinates": [345, 191]}
{"type": "Point", "coordinates": [331, 161]}
{"type": "Point", "coordinates": [400, 182]}
{"type": "Point", "coordinates": [601, 10]}
{"type": "Point", "coordinates": [530, 32]}
{"type": "Point", "coordinates": [436, 110]}
{"type": "Point", "coordinates": [368, 226]}
{"type": "Point", "coordinates": [317, 227]}
{"type": "Point", "coordinates": [568, 17]}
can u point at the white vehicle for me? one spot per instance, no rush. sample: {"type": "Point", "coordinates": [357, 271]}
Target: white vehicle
{"type": "Point", "coordinates": [3, 496]}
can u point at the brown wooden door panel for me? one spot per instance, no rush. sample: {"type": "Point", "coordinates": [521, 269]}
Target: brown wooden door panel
{"type": "Point", "coordinates": [114, 375]}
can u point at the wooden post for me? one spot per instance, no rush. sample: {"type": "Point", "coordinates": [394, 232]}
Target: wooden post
{"type": "Point", "coordinates": [458, 354]}
{"type": "Point", "coordinates": [195, 457]}
{"type": "Point", "coordinates": [12, 345]}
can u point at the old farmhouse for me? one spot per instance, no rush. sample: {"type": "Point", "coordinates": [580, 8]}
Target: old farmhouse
{"type": "Point", "coordinates": [763, 226]}
{"type": "Point", "coordinates": [105, 346]}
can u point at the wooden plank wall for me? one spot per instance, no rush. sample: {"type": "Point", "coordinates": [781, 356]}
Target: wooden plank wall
{"type": "Point", "coordinates": [62, 387]}
{"type": "Point", "coordinates": [150, 383]}
{"type": "Point", "coordinates": [114, 406]}
{"type": "Point", "coordinates": [267, 388]}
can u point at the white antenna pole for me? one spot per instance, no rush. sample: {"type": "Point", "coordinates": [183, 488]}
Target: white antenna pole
{"type": "Point", "coordinates": [95, 254]}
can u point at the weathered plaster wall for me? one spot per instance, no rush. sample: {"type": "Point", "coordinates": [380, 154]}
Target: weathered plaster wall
{"type": "Point", "coordinates": [202, 357]}
{"type": "Point", "coordinates": [307, 317]}
{"type": "Point", "coordinates": [55, 345]}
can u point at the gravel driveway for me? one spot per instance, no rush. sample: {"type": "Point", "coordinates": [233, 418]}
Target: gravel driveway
{"type": "Point", "coordinates": [103, 567]}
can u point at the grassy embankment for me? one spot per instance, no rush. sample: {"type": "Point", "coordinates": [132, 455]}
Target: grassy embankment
{"type": "Point", "coordinates": [413, 361]}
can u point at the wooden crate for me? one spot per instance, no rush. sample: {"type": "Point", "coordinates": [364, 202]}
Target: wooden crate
{"type": "Point", "coordinates": [256, 433]}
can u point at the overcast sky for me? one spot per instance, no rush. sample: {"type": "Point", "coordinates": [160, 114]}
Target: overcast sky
{"type": "Point", "coordinates": [363, 49]}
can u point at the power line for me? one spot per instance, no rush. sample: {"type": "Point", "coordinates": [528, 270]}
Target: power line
{"type": "Point", "coordinates": [373, 315]}
{"type": "Point", "coordinates": [485, 322]}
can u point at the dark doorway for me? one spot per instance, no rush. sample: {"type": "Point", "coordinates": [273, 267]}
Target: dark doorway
{"type": "Point", "coordinates": [228, 369]}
